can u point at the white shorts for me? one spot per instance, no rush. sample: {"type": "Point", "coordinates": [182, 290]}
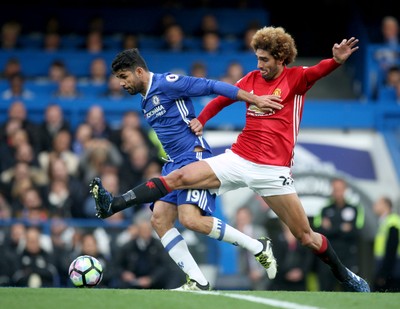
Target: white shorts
{"type": "Point", "coordinates": [234, 172]}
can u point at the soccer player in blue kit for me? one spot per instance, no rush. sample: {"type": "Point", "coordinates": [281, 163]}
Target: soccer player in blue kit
{"type": "Point", "coordinates": [168, 108]}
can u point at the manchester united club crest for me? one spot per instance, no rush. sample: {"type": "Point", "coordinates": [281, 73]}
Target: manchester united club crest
{"type": "Point", "coordinates": [277, 92]}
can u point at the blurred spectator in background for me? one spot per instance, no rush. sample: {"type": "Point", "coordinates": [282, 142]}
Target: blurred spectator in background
{"type": "Point", "coordinates": [209, 23]}
{"type": "Point", "coordinates": [114, 91]}
{"type": "Point", "coordinates": [62, 240]}
{"type": "Point", "coordinates": [24, 152]}
{"type": "Point", "coordinates": [10, 33]}
{"type": "Point", "coordinates": [129, 41]}
{"type": "Point", "coordinates": [198, 69]}
{"type": "Point", "coordinates": [120, 136]}
{"type": "Point", "coordinates": [165, 21]}
{"type": "Point", "coordinates": [17, 89]}
{"type": "Point", "coordinates": [52, 24]}
{"type": "Point", "coordinates": [152, 169]}
{"type": "Point", "coordinates": [392, 76]}
{"type": "Point", "coordinates": [142, 262]}
{"type": "Point", "coordinates": [390, 31]}
{"type": "Point", "coordinates": [95, 117]}
{"type": "Point", "coordinates": [5, 209]}
{"type": "Point", "coordinates": [387, 91]}
{"type": "Point", "coordinates": [388, 54]}
{"type": "Point", "coordinates": [57, 71]}
{"type": "Point", "coordinates": [174, 39]}
{"type": "Point", "coordinates": [15, 239]}
{"type": "Point", "coordinates": [82, 138]}
{"type": "Point", "coordinates": [96, 23]}
{"type": "Point", "coordinates": [17, 112]}
{"type": "Point", "coordinates": [33, 209]}
{"type": "Point", "coordinates": [68, 88]}
{"type": "Point", "coordinates": [99, 155]}
{"type": "Point", "coordinates": [234, 72]}
{"type": "Point", "coordinates": [341, 222]}
{"type": "Point", "coordinates": [65, 193]}
{"type": "Point", "coordinates": [387, 247]}
{"type": "Point", "coordinates": [136, 159]}
{"type": "Point", "coordinates": [18, 179]}
{"type": "Point", "coordinates": [249, 268]}
{"type": "Point", "coordinates": [247, 37]}
{"type": "Point", "coordinates": [94, 42]}
{"type": "Point", "coordinates": [12, 245]}
{"type": "Point", "coordinates": [98, 75]}
{"type": "Point", "coordinates": [62, 149]}
{"type": "Point", "coordinates": [35, 264]}
{"type": "Point", "coordinates": [11, 67]}
{"type": "Point", "coordinates": [211, 42]}
{"type": "Point", "coordinates": [51, 41]}
{"type": "Point", "coordinates": [397, 93]}
{"type": "Point", "coordinates": [12, 135]}
{"type": "Point", "coordinates": [53, 123]}
{"type": "Point", "coordinates": [295, 262]}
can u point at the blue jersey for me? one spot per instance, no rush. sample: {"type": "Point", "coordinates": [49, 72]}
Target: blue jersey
{"type": "Point", "coordinates": [168, 108]}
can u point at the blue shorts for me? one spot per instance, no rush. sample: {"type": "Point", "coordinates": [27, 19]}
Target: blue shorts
{"type": "Point", "coordinates": [199, 197]}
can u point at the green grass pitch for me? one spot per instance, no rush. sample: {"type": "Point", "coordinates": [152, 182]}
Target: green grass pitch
{"type": "Point", "coordinates": [60, 298]}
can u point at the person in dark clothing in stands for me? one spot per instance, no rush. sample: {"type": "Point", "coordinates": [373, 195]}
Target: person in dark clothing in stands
{"type": "Point", "coordinates": [341, 221]}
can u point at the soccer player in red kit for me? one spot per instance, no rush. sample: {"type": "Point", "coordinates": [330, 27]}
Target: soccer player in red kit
{"type": "Point", "coordinates": [262, 156]}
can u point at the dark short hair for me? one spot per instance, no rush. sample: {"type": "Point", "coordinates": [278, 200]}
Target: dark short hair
{"type": "Point", "coordinates": [128, 59]}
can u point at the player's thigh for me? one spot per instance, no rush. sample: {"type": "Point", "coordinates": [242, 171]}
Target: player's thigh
{"type": "Point", "coordinates": [289, 209]}
{"type": "Point", "coordinates": [194, 175]}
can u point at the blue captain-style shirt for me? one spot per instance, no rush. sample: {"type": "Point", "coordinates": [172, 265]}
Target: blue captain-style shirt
{"type": "Point", "coordinates": [168, 108]}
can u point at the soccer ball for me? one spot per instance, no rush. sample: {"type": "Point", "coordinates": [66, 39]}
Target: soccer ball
{"type": "Point", "coordinates": [85, 271]}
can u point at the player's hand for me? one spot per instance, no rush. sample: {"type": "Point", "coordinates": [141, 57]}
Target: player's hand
{"type": "Point", "coordinates": [344, 49]}
{"type": "Point", "coordinates": [196, 127]}
{"type": "Point", "coordinates": [269, 103]}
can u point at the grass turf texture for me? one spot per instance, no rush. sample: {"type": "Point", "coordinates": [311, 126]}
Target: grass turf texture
{"type": "Point", "coordinates": [59, 298]}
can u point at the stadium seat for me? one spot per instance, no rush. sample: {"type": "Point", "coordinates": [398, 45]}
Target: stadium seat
{"type": "Point", "coordinates": [387, 94]}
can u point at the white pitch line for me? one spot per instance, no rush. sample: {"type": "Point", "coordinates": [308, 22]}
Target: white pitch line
{"type": "Point", "coordinates": [260, 300]}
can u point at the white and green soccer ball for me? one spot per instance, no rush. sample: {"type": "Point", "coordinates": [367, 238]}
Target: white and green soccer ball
{"type": "Point", "coordinates": [85, 271]}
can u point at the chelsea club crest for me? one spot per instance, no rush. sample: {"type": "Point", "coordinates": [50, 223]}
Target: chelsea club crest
{"type": "Point", "coordinates": [156, 100]}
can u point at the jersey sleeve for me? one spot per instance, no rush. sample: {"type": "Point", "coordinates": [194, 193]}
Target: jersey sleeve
{"type": "Point", "coordinates": [214, 107]}
{"type": "Point", "coordinates": [177, 86]}
{"type": "Point", "coordinates": [323, 68]}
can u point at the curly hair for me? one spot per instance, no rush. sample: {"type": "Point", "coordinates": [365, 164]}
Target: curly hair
{"type": "Point", "coordinates": [277, 42]}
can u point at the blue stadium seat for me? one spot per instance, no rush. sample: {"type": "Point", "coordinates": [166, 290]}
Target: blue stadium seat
{"type": "Point", "coordinates": [72, 41]}
{"type": "Point", "coordinates": [31, 41]}
{"type": "Point", "coordinates": [387, 94]}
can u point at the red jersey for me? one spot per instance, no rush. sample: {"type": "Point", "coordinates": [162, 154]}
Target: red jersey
{"type": "Point", "coordinates": [270, 139]}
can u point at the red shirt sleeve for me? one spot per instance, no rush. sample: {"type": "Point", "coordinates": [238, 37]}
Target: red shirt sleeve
{"type": "Point", "coordinates": [323, 68]}
{"type": "Point", "coordinates": [214, 107]}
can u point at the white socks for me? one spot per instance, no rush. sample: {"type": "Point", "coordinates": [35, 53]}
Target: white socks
{"type": "Point", "coordinates": [178, 250]}
{"type": "Point", "coordinates": [225, 232]}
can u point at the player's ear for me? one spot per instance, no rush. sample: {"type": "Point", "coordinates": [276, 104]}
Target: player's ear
{"type": "Point", "coordinates": [139, 71]}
